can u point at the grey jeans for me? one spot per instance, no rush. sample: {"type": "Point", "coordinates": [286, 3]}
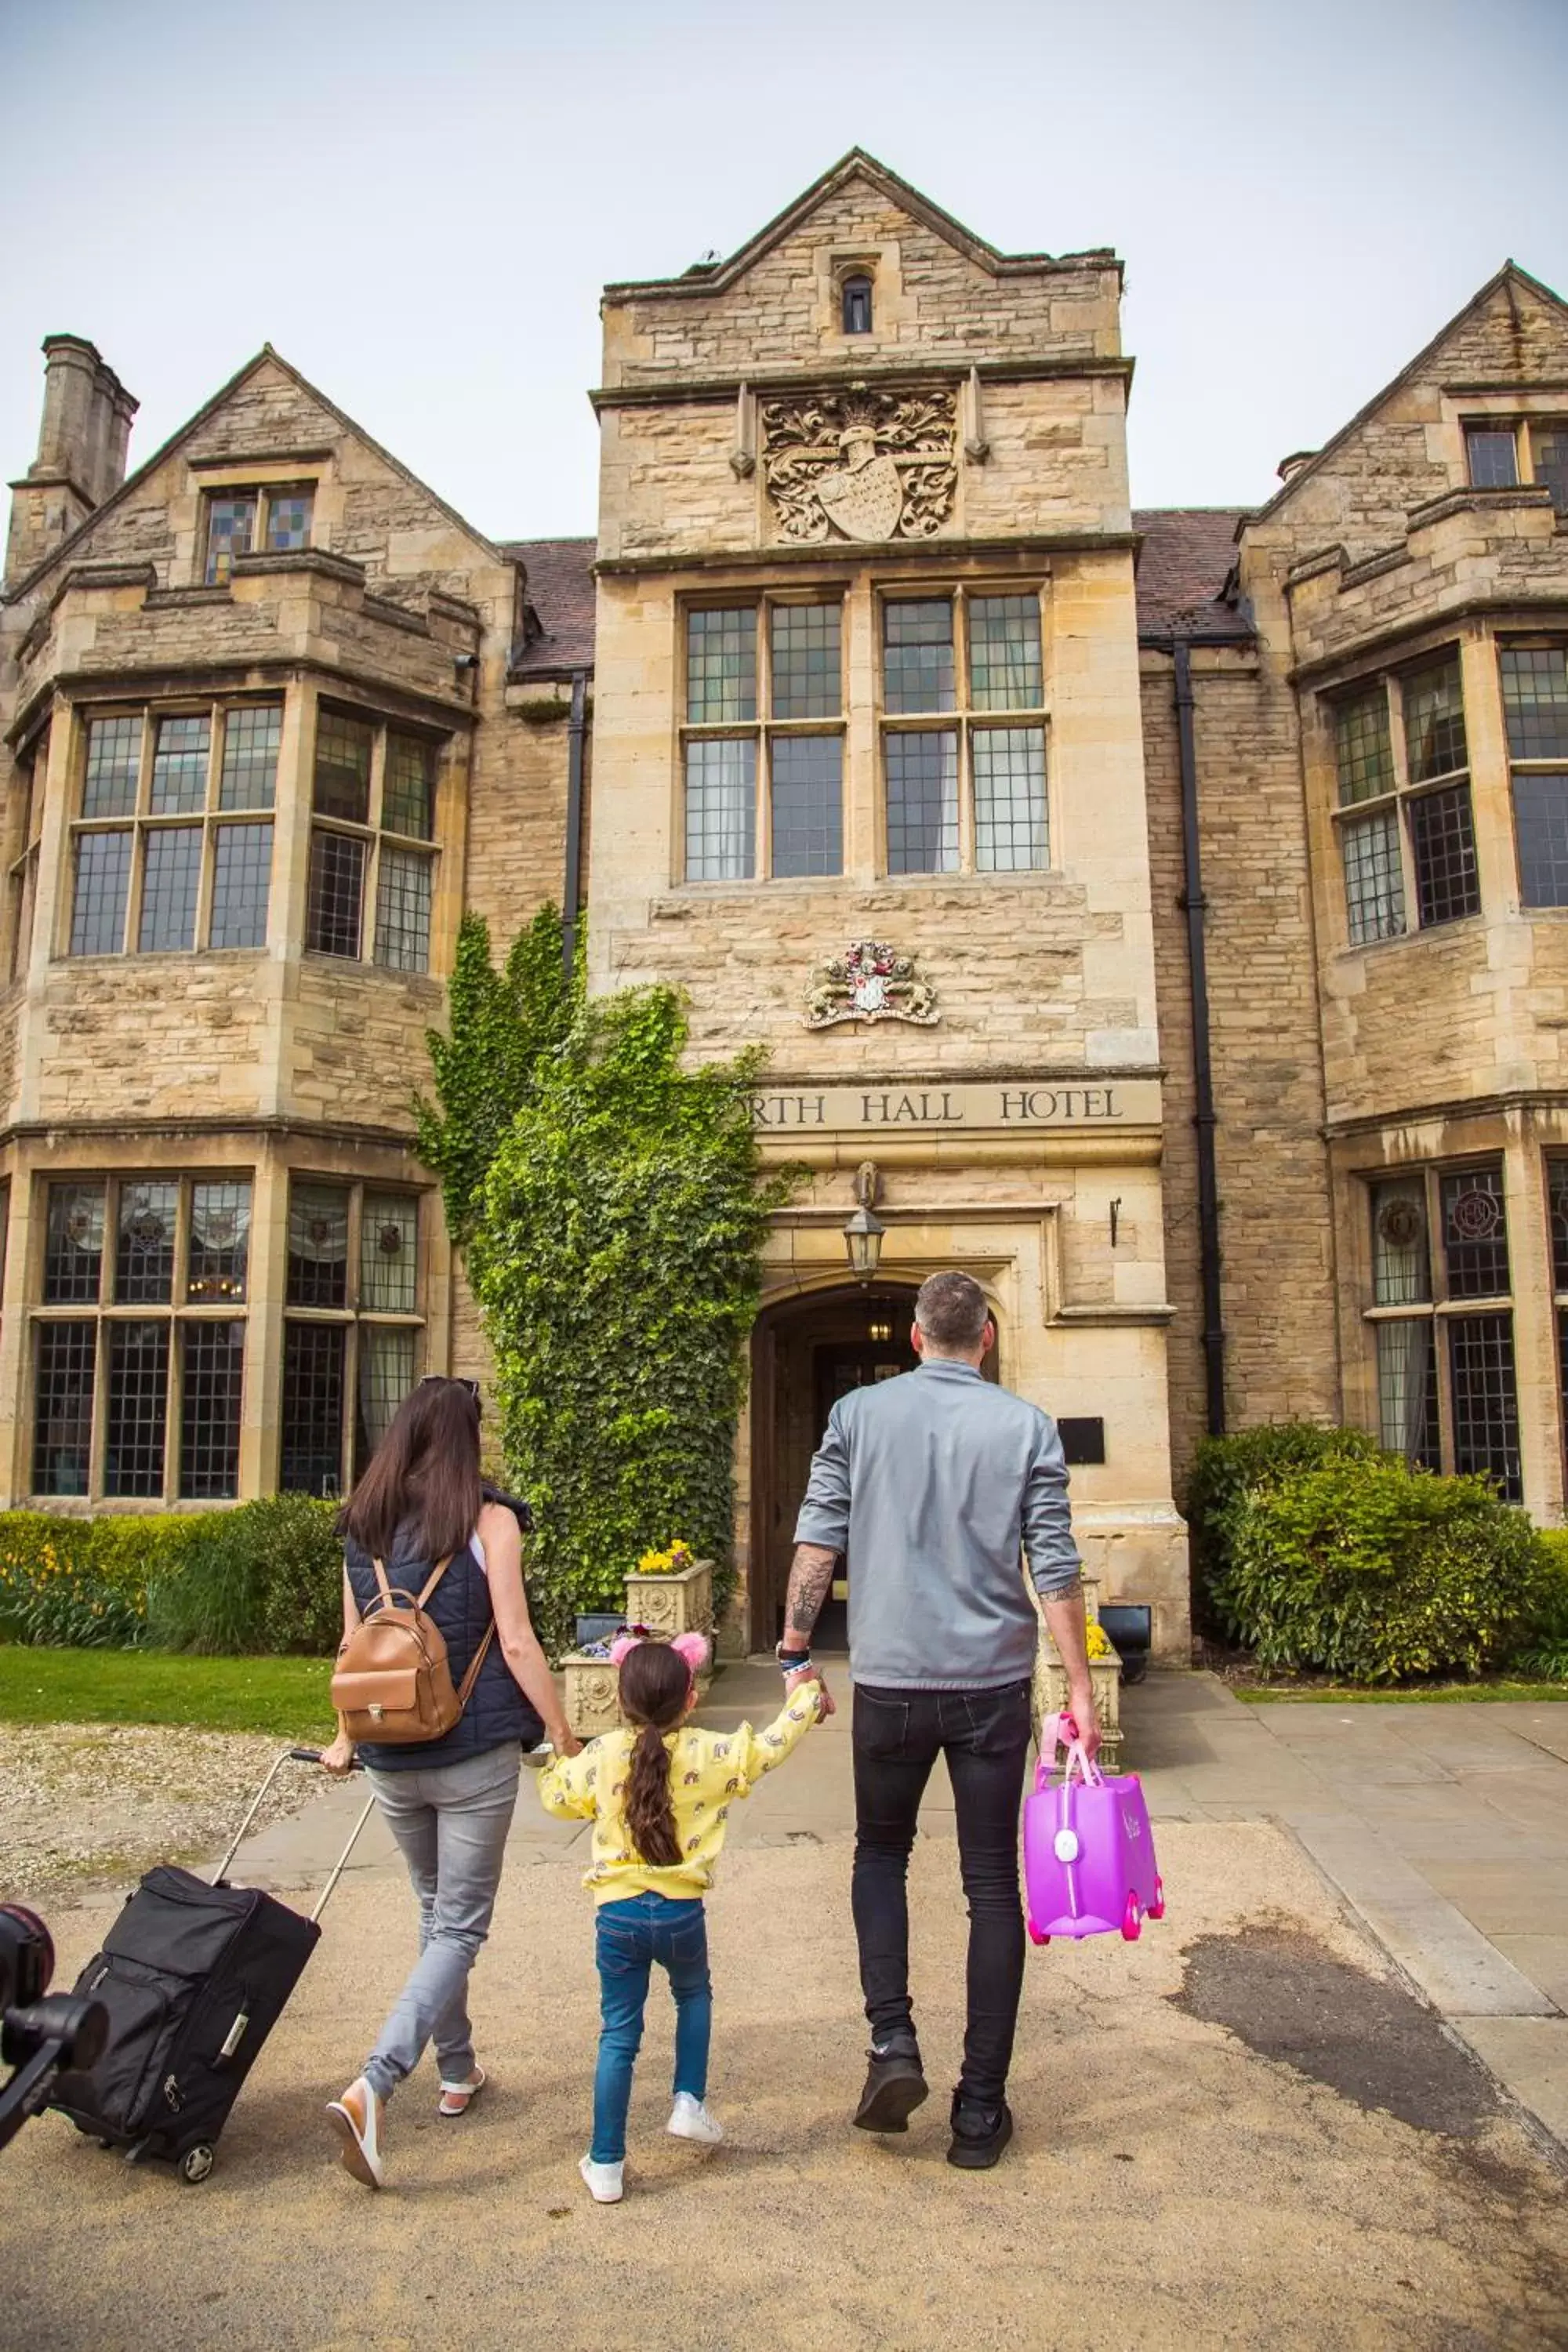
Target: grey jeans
{"type": "Point", "coordinates": [451, 1823]}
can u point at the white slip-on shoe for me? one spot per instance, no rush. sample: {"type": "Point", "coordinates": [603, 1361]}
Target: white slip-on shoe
{"type": "Point", "coordinates": [603, 2180]}
{"type": "Point", "coordinates": [356, 2120]}
{"type": "Point", "coordinates": [457, 2098]}
{"type": "Point", "coordinates": [689, 2119]}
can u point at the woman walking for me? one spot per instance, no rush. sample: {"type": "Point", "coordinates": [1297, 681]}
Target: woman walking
{"type": "Point", "coordinates": [448, 1802]}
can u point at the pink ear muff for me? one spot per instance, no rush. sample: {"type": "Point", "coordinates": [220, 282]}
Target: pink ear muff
{"type": "Point", "coordinates": [621, 1647]}
{"type": "Point", "coordinates": [693, 1648]}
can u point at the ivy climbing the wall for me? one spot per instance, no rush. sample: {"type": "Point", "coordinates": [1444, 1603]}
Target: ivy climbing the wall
{"type": "Point", "coordinates": [612, 1205]}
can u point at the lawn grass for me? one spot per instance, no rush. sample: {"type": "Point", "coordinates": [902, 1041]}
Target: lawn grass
{"type": "Point", "coordinates": [1440, 1695]}
{"type": "Point", "coordinates": [284, 1696]}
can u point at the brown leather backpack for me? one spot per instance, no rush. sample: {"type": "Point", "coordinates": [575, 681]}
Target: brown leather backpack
{"type": "Point", "coordinates": [392, 1682]}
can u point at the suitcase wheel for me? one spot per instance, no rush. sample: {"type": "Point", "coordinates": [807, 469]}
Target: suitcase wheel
{"type": "Point", "coordinates": [195, 2164]}
{"type": "Point", "coordinates": [1036, 1935]}
{"type": "Point", "coordinates": [1132, 1920]}
{"type": "Point", "coordinates": [1157, 1908]}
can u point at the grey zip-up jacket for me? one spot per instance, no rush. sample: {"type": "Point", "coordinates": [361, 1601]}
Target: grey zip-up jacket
{"type": "Point", "coordinates": [935, 1485]}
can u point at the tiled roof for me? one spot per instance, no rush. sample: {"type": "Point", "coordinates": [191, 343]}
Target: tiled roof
{"type": "Point", "coordinates": [560, 591]}
{"type": "Point", "coordinates": [1186, 555]}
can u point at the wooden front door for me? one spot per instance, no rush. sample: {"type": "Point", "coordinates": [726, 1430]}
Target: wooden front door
{"type": "Point", "coordinates": [836, 1368]}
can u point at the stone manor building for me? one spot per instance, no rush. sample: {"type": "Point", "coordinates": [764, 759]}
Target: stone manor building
{"type": "Point", "coordinates": [1161, 914]}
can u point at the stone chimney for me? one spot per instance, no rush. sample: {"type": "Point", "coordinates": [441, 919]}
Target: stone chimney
{"type": "Point", "coordinates": [83, 443]}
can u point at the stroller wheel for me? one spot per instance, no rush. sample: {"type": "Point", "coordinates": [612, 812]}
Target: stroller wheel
{"type": "Point", "coordinates": [1157, 1908]}
{"type": "Point", "coordinates": [1036, 1935]}
{"type": "Point", "coordinates": [1132, 1920]}
{"type": "Point", "coordinates": [195, 2164]}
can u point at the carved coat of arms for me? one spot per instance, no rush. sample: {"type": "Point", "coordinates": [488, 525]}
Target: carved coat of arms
{"type": "Point", "coordinates": [869, 982]}
{"type": "Point", "coordinates": [869, 466]}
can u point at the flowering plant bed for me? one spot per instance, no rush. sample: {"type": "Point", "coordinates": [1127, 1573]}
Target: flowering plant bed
{"type": "Point", "coordinates": [674, 1561]}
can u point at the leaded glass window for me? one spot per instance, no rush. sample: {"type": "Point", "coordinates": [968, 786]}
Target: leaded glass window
{"type": "Point", "coordinates": [1407, 1390]}
{"type": "Point", "coordinates": [1374, 885]}
{"type": "Point", "coordinates": [917, 655]}
{"type": "Point", "coordinates": [372, 782]}
{"type": "Point", "coordinates": [170, 849]}
{"type": "Point", "coordinates": [389, 1232]}
{"type": "Point", "coordinates": [102, 887]}
{"type": "Point", "coordinates": [1004, 660]}
{"type": "Point", "coordinates": [1535, 699]}
{"type": "Point", "coordinates": [410, 803]}
{"type": "Point", "coordinates": [288, 518]}
{"type": "Point", "coordinates": [402, 910]}
{"type": "Point", "coordinates": [231, 531]}
{"type": "Point", "coordinates": [102, 1380]}
{"type": "Point", "coordinates": [242, 868]}
{"type": "Point", "coordinates": [335, 894]}
{"type": "Point", "coordinates": [1442, 844]}
{"type": "Point", "coordinates": [1541, 829]}
{"type": "Point", "coordinates": [1010, 834]}
{"type": "Point", "coordinates": [275, 517]}
{"type": "Point", "coordinates": [1434, 722]}
{"type": "Point", "coordinates": [180, 759]}
{"type": "Point", "coordinates": [386, 1376]}
{"type": "Point", "coordinates": [806, 661]}
{"type": "Point", "coordinates": [317, 1244]}
{"type": "Point", "coordinates": [1400, 1268]}
{"type": "Point", "coordinates": [923, 801]}
{"type": "Point", "coordinates": [311, 1449]}
{"type": "Point", "coordinates": [113, 767]}
{"type": "Point", "coordinates": [1493, 454]}
{"type": "Point", "coordinates": [854, 305]}
{"type": "Point", "coordinates": [720, 665]}
{"type": "Point", "coordinates": [170, 879]}
{"type": "Point", "coordinates": [1474, 1233]}
{"type": "Point", "coordinates": [1484, 1401]}
{"type": "Point", "coordinates": [1557, 1205]}
{"type": "Point", "coordinates": [720, 808]}
{"type": "Point", "coordinates": [1549, 451]}
{"type": "Point", "coordinates": [145, 1256]}
{"type": "Point", "coordinates": [251, 734]}
{"type": "Point", "coordinates": [808, 804]}
{"type": "Point", "coordinates": [1362, 748]}
{"type": "Point", "coordinates": [343, 749]}
{"type": "Point", "coordinates": [73, 1244]}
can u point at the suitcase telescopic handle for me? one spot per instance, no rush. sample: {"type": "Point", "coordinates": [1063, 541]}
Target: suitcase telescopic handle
{"type": "Point", "coordinates": [313, 1755]}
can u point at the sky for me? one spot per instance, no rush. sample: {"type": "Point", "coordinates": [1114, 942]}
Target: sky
{"type": "Point", "coordinates": [418, 205]}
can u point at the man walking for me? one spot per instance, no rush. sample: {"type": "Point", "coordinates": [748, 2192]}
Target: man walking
{"type": "Point", "coordinates": [935, 1484]}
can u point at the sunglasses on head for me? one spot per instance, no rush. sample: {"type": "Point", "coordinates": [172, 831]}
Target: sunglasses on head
{"type": "Point", "coordinates": [473, 1387]}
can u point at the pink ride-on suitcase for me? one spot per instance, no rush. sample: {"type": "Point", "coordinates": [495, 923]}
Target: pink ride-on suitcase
{"type": "Point", "coordinates": [1088, 1855]}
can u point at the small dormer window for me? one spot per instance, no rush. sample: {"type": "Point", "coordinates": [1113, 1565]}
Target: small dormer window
{"type": "Point", "coordinates": [857, 304]}
{"type": "Point", "coordinates": [276, 519]}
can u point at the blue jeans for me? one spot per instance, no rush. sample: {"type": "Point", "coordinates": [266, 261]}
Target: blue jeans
{"type": "Point", "coordinates": [628, 1937]}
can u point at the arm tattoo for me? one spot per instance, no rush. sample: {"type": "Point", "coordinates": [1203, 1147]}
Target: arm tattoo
{"type": "Point", "coordinates": [809, 1577]}
{"type": "Point", "coordinates": [1073, 1591]}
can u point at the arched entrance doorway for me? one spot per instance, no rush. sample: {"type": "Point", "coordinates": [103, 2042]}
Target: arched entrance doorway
{"type": "Point", "coordinates": [807, 1353]}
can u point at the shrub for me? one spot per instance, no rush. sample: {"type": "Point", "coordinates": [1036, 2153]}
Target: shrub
{"type": "Point", "coordinates": [1371, 1571]}
{"type": "Point", "coordinates": [1227, 1470]}
{"type": "Point", "coordinates": [84, 1582]}
{"type": "Point", "coordinates": [265, 1576]}
{"type": "Point", "coordinates": [1543, 1651]}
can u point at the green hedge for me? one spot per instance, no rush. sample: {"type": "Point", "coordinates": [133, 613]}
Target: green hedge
{"type": "Point", "coordinates": [1544, 1652]}
{"type": "Point", "coordinates": [1227, 1471]}
{"type": "Point", "coordinates": [263, 1577]}
{"type": "Point", "coordinates": [1365, 1569]}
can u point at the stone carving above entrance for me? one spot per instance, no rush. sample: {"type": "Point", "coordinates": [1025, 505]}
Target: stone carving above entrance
{"type": "Point", "coordinates": [861, 465]}
{"type": "Point", "coordinates": [869, 982]}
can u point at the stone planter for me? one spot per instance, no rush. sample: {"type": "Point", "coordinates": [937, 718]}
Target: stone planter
{"type": "Point", "coordinates": [591, 1696]}
{"type": "Point", "coordinates": [1049, 1693]}
{"type": "Point", "coordinates": [673, 1604]}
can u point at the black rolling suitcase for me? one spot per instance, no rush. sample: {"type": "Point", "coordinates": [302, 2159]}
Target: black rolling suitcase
{"type": "Point", "coordinates": [193, 1976]}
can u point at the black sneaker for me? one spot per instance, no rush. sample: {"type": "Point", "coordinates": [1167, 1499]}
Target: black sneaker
{"type": "Point", "coordinates": [979, 2134]}
{"type": "Point", "coordinates": [895, 2085]}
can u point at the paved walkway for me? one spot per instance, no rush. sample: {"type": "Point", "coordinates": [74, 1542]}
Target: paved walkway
{"type": "Point", "coordinates": [1445, 1827]}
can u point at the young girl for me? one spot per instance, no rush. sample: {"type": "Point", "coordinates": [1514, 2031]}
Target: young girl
{"type": "Point", "coordinates": [658, 1795]}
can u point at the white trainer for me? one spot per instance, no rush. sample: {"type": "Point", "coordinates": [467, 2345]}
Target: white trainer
{"type": "Point", "coordinates": [689, 2119]}
{"type": "Point", "coordinates": [603, 2180]}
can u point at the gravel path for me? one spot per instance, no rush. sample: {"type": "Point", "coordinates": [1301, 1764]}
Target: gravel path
{"type": "Point", "coordinates": [86, 1802]}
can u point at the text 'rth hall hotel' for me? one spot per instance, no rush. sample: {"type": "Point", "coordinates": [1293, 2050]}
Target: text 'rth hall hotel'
{"type": "Point", "coordinates": [1159, 914]}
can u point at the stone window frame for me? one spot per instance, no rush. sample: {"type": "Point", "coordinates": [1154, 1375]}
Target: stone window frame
{"type": "Point", "coordinates": [1395, 807]}
{"type": "Point", "coordinates": [214, 566]}
{"type": "Point", "coordinates": [354, 1318]}
{"type": "Point", "coordinates": [1527, 765]}
{"type": "Point", "coordinates": [762, 729]}
{"type": "Point", "coordinates": [142, 823]}
{"type": "Point", "coordinates": [1421, 1294]}
{"type": "Point", "coordinates": [1526, 430]}
{"type": "Point", "coordinates": [380, 840]}
{"type": "Point", "coordinates": [104, 1314]}
{"type": "Point", "coordinates": [966, 719]}
{"type": "Point", "coordinates": [22, 875]}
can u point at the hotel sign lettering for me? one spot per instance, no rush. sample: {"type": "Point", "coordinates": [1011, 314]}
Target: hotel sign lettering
{"type": "Point", "coordinates": [1021, 1104]}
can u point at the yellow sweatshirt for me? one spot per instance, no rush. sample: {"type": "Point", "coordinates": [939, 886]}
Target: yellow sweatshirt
{"type": "Point", "coordinates": [707, 1771]}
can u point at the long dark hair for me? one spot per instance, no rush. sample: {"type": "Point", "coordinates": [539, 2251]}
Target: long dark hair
{"type": "Point", "coordinates": [655, 1681]}
{"type": "Point", "coordinates": [425, 1470]}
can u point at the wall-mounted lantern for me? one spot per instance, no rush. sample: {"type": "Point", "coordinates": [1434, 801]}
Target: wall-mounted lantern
{"type": "Point", "coordinates": [863, 1230]}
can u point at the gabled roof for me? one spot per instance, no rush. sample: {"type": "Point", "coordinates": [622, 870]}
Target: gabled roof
{"type": "Point", "coordinates": [266, 356]}
{"type": "Point", "coordinates": [560, 595]}
{"type": "Point", "coordinates": [714, 277]}
{"type": "Point", "coordinates": [1186, 559]}
{"type": "Point", "coordinates": [1511, 274]}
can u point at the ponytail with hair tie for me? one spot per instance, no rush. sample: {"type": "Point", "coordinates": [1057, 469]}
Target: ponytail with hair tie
{"type": "Point", "coordinates": [655, 1679]}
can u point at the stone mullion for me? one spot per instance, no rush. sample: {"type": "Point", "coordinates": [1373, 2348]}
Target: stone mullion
{"type": "Point", "coordinates": [863, 786]}
{"type": "Point", "coordinates": [1534, 1323]}
{"type": "Point", "coordinates": [1486, 742]}
{"type": "Point", "coordinates": [265, 1287]}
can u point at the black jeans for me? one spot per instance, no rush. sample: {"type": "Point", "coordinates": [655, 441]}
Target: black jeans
{"type": "Point", "coordinates": [985, 1736]}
